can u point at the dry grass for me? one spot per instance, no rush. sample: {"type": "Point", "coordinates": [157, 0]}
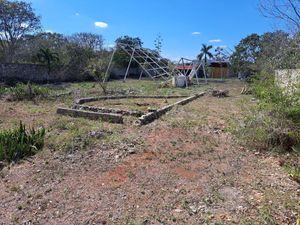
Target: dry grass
{"type": "Point", "coordinates": [184, 168]}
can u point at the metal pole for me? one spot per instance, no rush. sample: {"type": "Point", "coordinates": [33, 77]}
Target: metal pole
{"type": "Point", "coordinates": [109, 65]}
{"type": "Point", "coordinates": [141, 75]}
{"type": "Point", "coordinates": [204, 69]}
{"type": "Point", "coordinates": [129, 64]}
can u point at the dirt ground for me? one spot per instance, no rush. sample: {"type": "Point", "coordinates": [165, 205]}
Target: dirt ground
{"type": "Point", "coordinates": [185, 168]}
{"type": "Point", "coordinates": [139, 104]}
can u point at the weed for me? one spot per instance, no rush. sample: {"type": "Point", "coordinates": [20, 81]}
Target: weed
{"type": "Point", "coordinates": [27, 91]}
{"type": "Point", "coordinates": [293, 172]}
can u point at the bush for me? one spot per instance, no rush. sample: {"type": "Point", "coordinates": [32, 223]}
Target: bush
{"type": "Point", "coordinates": [19, 143]}
{"type": "Point", "coordinates": [274, 99]}
{"type": "Point", "coordinates": [275, 123]}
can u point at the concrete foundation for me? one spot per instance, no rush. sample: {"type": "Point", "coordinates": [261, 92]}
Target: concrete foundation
{"type": "Point", "coordinates": [107, 117]}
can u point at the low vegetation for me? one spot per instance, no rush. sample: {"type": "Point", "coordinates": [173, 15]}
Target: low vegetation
{"type": "Point", "coordinates": [20, 142]}
{"type": "Point", "coordinates": [272, 123]}
{"type": "Point", "coordinates": [24, 91]}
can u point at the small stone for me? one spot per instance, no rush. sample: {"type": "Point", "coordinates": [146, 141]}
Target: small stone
{"type": "Point", "coordinates": [193, 209]}
{"type": "Point", "coordinates": [178, 210]}
{"type": "Point", "coordinates": [131, 151]}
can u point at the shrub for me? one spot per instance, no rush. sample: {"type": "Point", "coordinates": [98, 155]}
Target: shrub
{"type": "Point", "coordinates": [21, 142]}
{"type": "Point", "coordinates": [27, 91]}
{"type": "Point", "coordinates": [275, 122]}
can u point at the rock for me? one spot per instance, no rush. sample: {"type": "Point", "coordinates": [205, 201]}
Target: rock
{"type": "Point", "coordinates": [178, 210]}
{"type": "Point", "coordinates": [193, 209]}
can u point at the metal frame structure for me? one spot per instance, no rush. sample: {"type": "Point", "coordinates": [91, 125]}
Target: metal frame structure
{"type": "Point", "coordinates": [151, 62]}
{"type": "Point", "coordinates": [196, 65]}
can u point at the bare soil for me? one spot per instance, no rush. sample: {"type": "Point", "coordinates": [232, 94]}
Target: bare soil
{"type": "Point", "coordinates": [184, 168]}
{"type": "Point", "coordinates": [139, 104]}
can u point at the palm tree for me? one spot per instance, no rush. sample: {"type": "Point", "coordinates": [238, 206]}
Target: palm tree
{"type": "Point", "coordinates": [48, 57]}
{"type": "Point", "coordinates": [204, 53]}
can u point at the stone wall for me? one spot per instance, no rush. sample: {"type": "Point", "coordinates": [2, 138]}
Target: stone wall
{"type": "Point", "coordinates": [287, 79]}
{"type": "Point", "coordinates": [10, 72]}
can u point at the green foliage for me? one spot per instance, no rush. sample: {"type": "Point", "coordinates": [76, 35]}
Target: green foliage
{"type": "Point", "coordinates": [79, 58]}
{"type": "Point", "coordinates": [293, 172]}
{"type": "Point", "coordinates": [246, 53]}
{"type": "Point", "coordinates": [275, 99]}
{"type": "Point", "coordinates": [134, 41]}
{"type": "Point", "coordinates": [88, 40]}
{"type": "Point", "coordinates": [274, 123]}
{"type": "Point", "coordinates": [266, 52]}
{"type": "Point", "coordinates": [21, 142]}
{"type": "Point", "coordinates": [97, 68]}
{"type": "Point", "coordinates": [27, 91]}
{"type": "Point", "coordinates": [205, 53]}
{"type": "Point", "coordinates": [17, 19]}
{"type": "Point", "coordinates": [121, 58]}
{"type": "Point", "coordinates": [48, 57]}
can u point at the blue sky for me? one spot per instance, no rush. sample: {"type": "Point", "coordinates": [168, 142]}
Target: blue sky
{"type": "Point", "coordinates": [183, 24]}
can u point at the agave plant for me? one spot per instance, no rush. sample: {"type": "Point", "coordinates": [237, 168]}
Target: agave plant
{"type": "Point", "coordinates": [21, 142]}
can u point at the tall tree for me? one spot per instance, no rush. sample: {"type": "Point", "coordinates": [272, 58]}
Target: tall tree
{"type": "Point", "coordinates": [88, 40]}
{"type": "Point", "coordinates": [134, 41]}
{"type": "Point", "coordinates": [121, 58]}
{"type": "Point", "coordinates": [16, 20]}
{"type": "Point", "coordinates": [285, 10]}
{"type": "Point", "coordinates": [245, 54]}
{"type": "Point", "coordinates": [205, 53]}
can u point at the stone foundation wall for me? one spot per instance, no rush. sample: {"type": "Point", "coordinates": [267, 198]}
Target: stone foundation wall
{"type": "Point", "coordinates": [10, 72]}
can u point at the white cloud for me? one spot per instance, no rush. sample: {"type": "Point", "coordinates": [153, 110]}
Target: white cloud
{"type": "Point", "coordinates": [223, 46]}
{"type": "Point", "coordinates": [77, 14]}
{"type": "Point", "coordinates": [215, 40]}
{"type": "Point", "coordinates": [196, 33]}
{"type": "Point", "coordinates": [101, 24]}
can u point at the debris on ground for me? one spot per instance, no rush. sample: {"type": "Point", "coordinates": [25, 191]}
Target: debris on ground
{"type": "Point", "coordinates": [246, 91]}
{"type": "Point", "coordinates": [220, 93]}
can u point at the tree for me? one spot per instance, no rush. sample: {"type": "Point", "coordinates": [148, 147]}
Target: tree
{"type": "Point", "coordinates": [245, 55]}
{"type": "Point", "coordinates": [158, 43]}
{"type": "Point", "coordinates": [133, 41]}
{"type": "Point", "coordinates": [285, 10]}
{"type": "Point", "coordinates": [275, 51]}
{"type": "Point", "coordinates": [205, 53]}
{"type": "Point", "coordinates": [88, 40]}
{"type": "Point", "coordinates": [220, 54]}
{"type": "Point", "coordinates": [30, 45]}
{"type": "Point", "coordinates": [48, 57]}
{"type": "Point", "coordinates": [97, 68]}
{"type": "Point", "coordinates": [16, 20]}
{"type": "Point", "coordinates": [121, 59]}
{"type": "Point", "coordinates": [77, 60]}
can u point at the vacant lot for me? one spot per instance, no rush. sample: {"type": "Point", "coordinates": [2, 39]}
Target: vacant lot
{"type": "Point", "coordinates": [185, 168]}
